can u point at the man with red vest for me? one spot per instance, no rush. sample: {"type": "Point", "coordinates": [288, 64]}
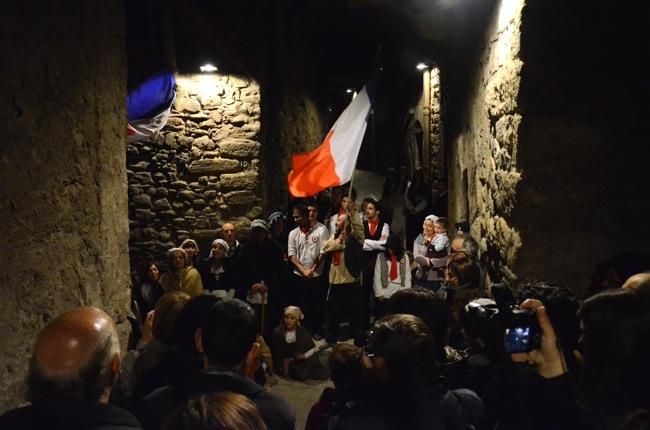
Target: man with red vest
{"type": "Point", "coordinates": [376, 232]}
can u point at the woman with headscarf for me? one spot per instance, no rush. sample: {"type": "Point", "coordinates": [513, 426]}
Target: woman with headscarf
{"type": "Point", "coordinates": [213, 270]}
{"type": "Point", "coordinates": [431, 261]}
{"type": "Point", "coordinates": [294, 351]}
{"type": "Point", "coordinates": [181, 276]}
{"type": "Point", "coordinates": [192, 249]}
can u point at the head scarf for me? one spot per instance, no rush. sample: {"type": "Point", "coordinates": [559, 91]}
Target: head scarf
{"type": "Point", "coordinates": [259, 223]}
{"type": "Point", "coordinates": [275, 217]}
{"type": "Point", "coordinates": [219, 242]}
{"type": "Point", "coordinates": [432, 218]}
{"type": "Point", "coordinates": [171, 252]}
{"type": "Point", "coordinates": [193, 242]}
{"type": "Point", "coordinates": [295, 311]}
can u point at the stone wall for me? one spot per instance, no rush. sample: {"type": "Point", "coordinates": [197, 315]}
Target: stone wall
{"type": "Point", "coordinates": [485, 171]}
{"type": "Point", "coordinates": [583, 152]}
{"type": "Point", "coordinates": [202, 170]}
{"type": "Point", "coordinates": [437, 157]}
{"type": "Point", "coordinates": [294, 126]}
{"type": "Point", "coordinates": [547, 160]}
{"type": "Point", "coordinates": [63, 193]}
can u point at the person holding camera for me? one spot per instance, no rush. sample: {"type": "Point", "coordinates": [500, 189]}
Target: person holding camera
{"type": "Point", "coordinates": [610, 391]}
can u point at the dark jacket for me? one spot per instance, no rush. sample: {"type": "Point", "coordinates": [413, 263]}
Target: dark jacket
{"type": "Point", "coordinates": [69, 414]}
{"type": "Point", "coordinates": [429, 406]}
{"type": "Point", "coordinates": [258, 263]}
{"type": "Point", "coordinates": [275, 411]}
{"type": "Point", "coordinates": [227, 279]}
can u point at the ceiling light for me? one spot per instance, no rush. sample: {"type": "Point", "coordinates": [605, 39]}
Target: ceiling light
{"type": "Point", "coordinates": [422, 66]}
{"type": "Point", "coordinates": [208, 68]}
{"type": "Point", "coordinates": [349, 90]}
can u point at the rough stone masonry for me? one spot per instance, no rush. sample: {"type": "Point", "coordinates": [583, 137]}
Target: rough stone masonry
{"type": "Point", "coordinates": [202, 170]}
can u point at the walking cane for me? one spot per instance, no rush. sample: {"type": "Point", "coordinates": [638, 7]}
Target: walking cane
{"type": "Point", "coordinates": [262, 311]}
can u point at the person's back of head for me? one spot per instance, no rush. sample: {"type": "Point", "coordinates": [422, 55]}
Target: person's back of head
{"type": "Point", "coordinates": [345, 367]}
{"type": "Point", "coordinates": [427, 306]}
{"type": "Point", "coordinates": [75, 356]}
{"type": "Point", "coordinates": [216, 411]}
{"type": "Point", "coordinates": [638, 281]}
{"type": "Point", "coordinates": [464, 269]}
{"type": "Point", "coordinates": [229, 332]}
{"type": "Point", "coordinates": [189, 320]}
{"type": "Point", "coordinates": [166, 311]}
{"type": "Point", "coordinates": [616, 335]}
{"type": "Point", "coordinates": [406, 345]}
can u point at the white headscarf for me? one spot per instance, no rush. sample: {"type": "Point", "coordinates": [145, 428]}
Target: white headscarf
{"type": "Point", "coordinates": [219, 242]}
{"type": "Point", "coordinates": [192, 241]}
{"type": "Point", "coordinates": [295, 311]}
{"type": "Point", "coordinates": [432, 218]}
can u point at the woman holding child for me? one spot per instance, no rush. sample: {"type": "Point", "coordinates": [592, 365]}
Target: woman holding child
{"type": "Point", "coordinates": [430, 251]}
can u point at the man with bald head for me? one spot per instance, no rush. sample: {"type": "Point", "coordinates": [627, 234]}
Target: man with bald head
{"type": "Point", "coordinates": [229, 232]}
{"type": "Point", "coordinates": [638, 282]}
{"type": "Point", "coordinates": [75, 361]}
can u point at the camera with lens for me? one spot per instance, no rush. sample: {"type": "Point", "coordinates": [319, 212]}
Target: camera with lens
{"type": "Point", "coordinates": [501, 324]}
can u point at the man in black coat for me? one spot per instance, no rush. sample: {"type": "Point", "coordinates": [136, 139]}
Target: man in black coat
{"type": "Point", "coordinates": [75, 361]}
{"type": "Point", "coordinates": [228, 341]}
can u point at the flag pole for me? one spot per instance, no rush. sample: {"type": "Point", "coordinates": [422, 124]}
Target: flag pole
{"type": "Point", "coordinates": [347, 211]}
{"type": "Point", "coordinates": [352, 181]}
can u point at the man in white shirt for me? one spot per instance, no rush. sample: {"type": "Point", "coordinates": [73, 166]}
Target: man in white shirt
{"type": "Point", "coordinates": [305, 251]}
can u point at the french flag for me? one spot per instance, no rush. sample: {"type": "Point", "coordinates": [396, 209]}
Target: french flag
{"type": "Point", "coordinates": [333, 162]}
{"type": "Point", "coordinates": [149, 105]}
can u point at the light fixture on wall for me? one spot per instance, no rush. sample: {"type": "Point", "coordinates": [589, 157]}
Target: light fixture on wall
{"type": "Point", "coordinates": [349, 91]}
{"type": "Point", "coordinates": [422, 66]}
{"type": "Point", "coordinates": [208, 68]}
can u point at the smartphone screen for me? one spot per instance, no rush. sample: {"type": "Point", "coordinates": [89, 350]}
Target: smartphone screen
{"type": "Point", "coordinates": [518, 339]}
